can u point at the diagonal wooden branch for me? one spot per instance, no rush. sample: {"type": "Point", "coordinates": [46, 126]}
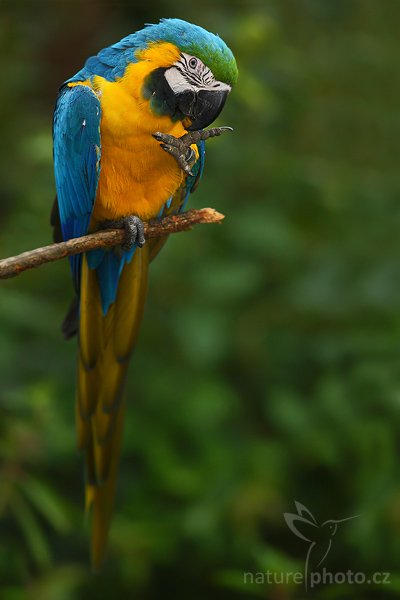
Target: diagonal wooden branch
{"type": "Point", "coordinates": [10, 267]}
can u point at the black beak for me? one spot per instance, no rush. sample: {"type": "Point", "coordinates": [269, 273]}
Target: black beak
{"type": "Point", "coordinates": [201, 108]}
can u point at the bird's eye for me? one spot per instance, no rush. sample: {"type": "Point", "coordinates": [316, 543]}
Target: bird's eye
{"type": "Point", "coordinates": [193, 63]}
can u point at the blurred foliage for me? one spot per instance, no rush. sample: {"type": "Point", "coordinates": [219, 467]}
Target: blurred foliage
{"type": "Point", "coordinates": [268, 365]}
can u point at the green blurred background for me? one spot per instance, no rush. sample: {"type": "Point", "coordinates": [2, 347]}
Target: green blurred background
{"type": "Point", "coordinates": [268, 364]}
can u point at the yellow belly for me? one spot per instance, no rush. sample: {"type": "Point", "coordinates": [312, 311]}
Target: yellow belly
{"type": "Point", "coordinates": [137, 176]}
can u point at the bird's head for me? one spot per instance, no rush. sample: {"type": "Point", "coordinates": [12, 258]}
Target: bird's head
{"type": "Point", "coordinates": [182, 70]}
{"type": "Point", "coordinates": [193, 73]}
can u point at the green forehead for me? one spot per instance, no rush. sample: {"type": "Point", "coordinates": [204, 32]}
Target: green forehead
{"type": "Point", "coordinates": [219, 59]}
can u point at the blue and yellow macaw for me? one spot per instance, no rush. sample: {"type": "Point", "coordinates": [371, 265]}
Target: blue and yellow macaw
{"type": "Point", "coordinates": [164, 83]}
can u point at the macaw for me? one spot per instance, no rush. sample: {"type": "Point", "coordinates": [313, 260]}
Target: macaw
{"type": "Point", "coordinates": [160, 86]}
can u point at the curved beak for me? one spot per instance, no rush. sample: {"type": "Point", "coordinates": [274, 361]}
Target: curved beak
{"type": "Point", "coordinates": [202, 107]}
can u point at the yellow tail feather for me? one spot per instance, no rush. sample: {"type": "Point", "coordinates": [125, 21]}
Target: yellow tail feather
{"type": "Point", "coordinates": [105, 345]}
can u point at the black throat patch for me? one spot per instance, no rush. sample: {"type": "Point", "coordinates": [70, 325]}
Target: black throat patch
{"type": "Point", "coordinates": [163, 101]}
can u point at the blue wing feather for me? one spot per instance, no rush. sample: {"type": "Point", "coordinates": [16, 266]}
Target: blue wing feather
{"type": "Point", "coordinates": [77, 148]}
{"type": "Point", "coordinates": [77, 152]}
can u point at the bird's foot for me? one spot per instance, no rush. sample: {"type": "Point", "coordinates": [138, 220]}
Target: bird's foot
{"type": "Point", "coordinates": [134, 231]}
{"type": "Point", "coordinates": [180, 148]}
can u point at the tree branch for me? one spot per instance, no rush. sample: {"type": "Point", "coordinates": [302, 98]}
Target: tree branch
{"type": "Point", "coordinates": [10, 267]}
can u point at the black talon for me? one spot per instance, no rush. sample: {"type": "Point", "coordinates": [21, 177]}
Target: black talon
{"type": "Point", "coordinates": [190, 155]}
{"type": "Point", "coordinates": [158, 136]}
{"type": "Point", "coordinates": [134, 231]}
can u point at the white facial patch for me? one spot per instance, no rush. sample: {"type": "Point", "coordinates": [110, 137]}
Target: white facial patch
{"type": "Point", "coordinates": [190, 73]}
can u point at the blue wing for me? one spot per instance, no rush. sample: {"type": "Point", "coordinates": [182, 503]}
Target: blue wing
{"type": "Point", "coordinates": [77, 150]}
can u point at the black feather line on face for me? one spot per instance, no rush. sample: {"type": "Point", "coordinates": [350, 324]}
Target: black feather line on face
{"type": "Point", "coordinates": [201, 77]}
{"type": "Point", "coordinates": [194, 79]}
{"type": "Point", "coordinates": [184, 60]}
{"type": "Point", "coordinates": [190, 78]}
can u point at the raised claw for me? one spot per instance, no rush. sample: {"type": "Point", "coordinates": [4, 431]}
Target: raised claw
{"type": "Point", "coordinates": [180, 148]}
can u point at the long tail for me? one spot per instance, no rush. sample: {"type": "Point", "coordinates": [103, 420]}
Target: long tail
{"type": "Point", "coordinates": [105, 345]}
